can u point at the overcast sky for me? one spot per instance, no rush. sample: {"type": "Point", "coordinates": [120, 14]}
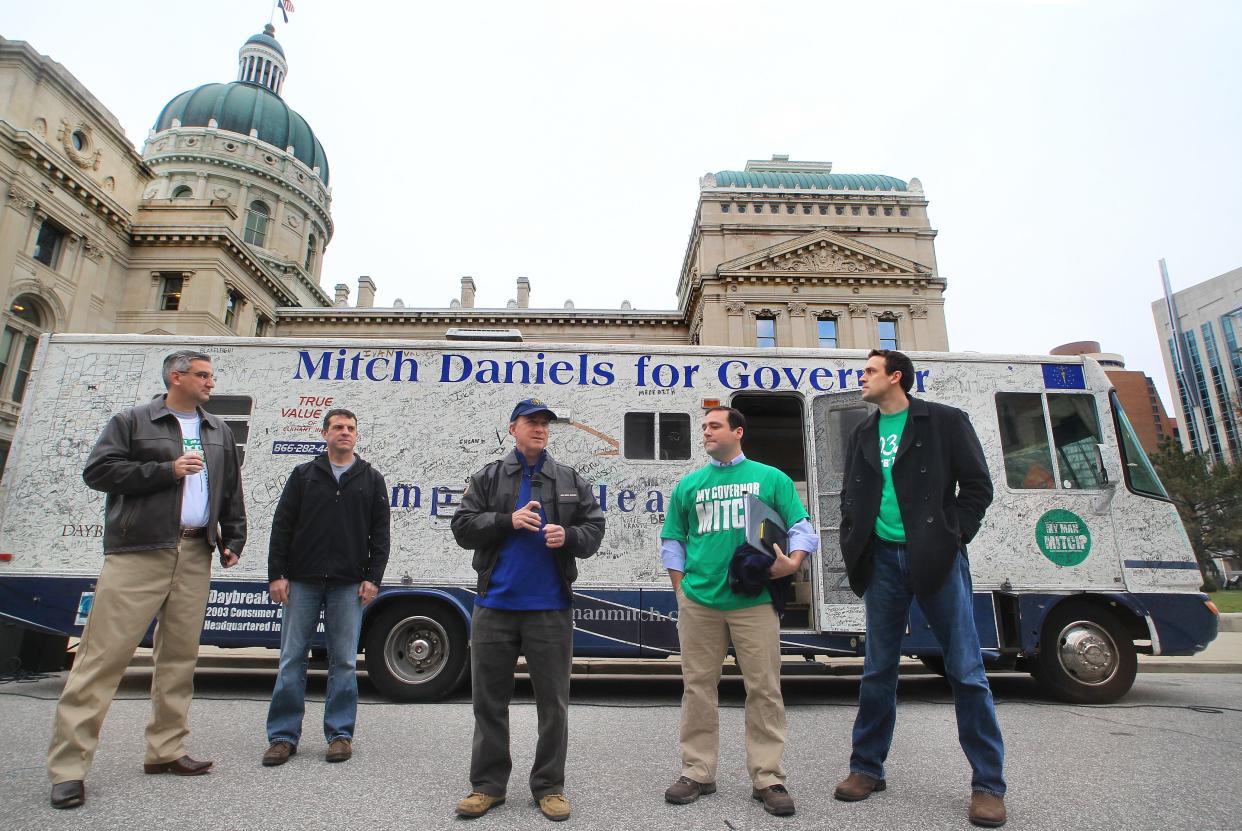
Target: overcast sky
{"type": "Point", "coordinates": [1064, 146]}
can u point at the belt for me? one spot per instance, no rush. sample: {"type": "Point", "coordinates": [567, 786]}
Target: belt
{"type": "Point", "coordinates": [187, 533]}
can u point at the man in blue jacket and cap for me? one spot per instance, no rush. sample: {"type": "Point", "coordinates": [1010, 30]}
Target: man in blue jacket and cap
{"type": "Point", "coordinates": [529, 520]}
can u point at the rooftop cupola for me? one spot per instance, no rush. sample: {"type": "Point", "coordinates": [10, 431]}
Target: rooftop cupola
{"type": "Point", "coordinates": [261, 61]}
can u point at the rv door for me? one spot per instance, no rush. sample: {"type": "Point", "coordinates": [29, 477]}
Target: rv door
{"type": "Point", "coordinates": [834, 417]}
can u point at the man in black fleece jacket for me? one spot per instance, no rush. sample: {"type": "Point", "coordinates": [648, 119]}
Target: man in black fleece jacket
{"type": "Point", "coordinates": [328, 551]}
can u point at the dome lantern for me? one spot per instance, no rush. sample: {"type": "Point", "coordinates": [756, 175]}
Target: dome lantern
{"type": "Point", "coordinates": [261, 61]}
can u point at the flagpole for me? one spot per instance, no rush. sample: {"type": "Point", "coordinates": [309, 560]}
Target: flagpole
{"type": "Point", "coordinates": [271, 20]}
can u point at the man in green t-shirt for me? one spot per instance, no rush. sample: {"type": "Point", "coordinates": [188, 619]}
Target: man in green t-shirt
{"type": "Point", "coordinates": [915, 490]}
{"type": "Point", "coordinates": [705, 523]}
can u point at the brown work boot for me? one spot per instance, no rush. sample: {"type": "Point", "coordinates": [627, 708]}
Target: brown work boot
{"type": "Point", "coordinates": [554, 806]}
{"type": "Point", "coordinates": [339, 750]}
{"type": "Point", "coordinates": [857, 787]}
{"type": "Point", "coordinates": [987, 809]}
{"type": "Point", "coordinates": [476, 804]}
{"type": "Point", "coordinates": [685, 790]}
{"type": "Point", "coordinates": [776, 800]}
{"type": "Point", "coordinates": [278, 753]}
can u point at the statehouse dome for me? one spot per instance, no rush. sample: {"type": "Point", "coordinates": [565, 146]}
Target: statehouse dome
{"type": "Point", "coordinates": [252, 102]}
{"type": "Point", "coordinates": [242, 106]}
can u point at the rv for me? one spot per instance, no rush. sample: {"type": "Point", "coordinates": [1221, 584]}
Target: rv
{"type": "Point", "coordinates": [1081, 562]}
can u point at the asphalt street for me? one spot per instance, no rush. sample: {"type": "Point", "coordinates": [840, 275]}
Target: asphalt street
{"type": "Point", "coordinates": [1165, 757]}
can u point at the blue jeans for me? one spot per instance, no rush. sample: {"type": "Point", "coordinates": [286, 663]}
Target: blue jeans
{"type": "Point", "coordinates": [950, 613]}
{"type": "Point", "coordinates": [342, 620]}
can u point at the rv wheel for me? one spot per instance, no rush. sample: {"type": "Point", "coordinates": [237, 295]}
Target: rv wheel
{"type": "Point", "coordinates": [416, 651]}
{"type": "Point", "coordinates": [1085, 655]}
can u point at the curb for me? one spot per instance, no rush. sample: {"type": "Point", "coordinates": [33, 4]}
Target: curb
{"type": "Point", "coordinates": [1231, 622]}
{"type": "Point", "coordinates": [594, 667]}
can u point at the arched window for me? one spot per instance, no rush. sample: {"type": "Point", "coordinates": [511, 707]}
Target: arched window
{"type": "Point", "coordinates": [24, 320]}
{"type": "Point", "coordinates": [310, 251]}
{"type": "Point", "coordinates": [183, 192]}
{"type": "Point", "coordinates": [256, 223]}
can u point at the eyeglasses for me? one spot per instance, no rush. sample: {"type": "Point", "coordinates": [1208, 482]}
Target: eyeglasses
{"type": "Point", "coordinates": [202, 376]}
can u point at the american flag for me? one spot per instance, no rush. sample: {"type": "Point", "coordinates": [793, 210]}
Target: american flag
{"type": "Point", "coordinates": [285, 7]}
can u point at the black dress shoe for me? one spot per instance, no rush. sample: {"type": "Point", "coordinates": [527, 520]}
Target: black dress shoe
{"type": "Point", "coordinates": [69, 794]}
{"type": "Point", "coordinates": [185, 766]}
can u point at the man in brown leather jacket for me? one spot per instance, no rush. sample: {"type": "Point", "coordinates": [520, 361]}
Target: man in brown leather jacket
{"type": "Point", "coordinates": [173, 480]}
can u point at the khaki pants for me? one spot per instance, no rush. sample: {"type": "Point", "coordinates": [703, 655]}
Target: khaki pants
{"type": "Point", "coordinates": [705, 634]}
{"type": "Point", "coordinates": [170, 585]}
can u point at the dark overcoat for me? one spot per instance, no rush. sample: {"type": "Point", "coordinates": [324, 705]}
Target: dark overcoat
{"type": "Point", "coordinates": [943, 488]}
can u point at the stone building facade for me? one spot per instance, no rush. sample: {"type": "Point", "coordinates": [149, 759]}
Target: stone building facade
{"type": "Point", "coordinates": [218, 227]}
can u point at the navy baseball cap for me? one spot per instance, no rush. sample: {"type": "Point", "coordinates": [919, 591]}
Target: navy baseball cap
{"type": "Point", "coordinates": [530, 406]}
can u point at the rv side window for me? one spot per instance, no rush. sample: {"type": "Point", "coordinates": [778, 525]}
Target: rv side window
{"type": "Point", "coordinates": [641, 433]}
{"type": "Point", "coordinates": [1076, 432]}
{"type": "Point", "coordinates": [234, 410]}
{"type": "Point", "coordinates": [674, 436]}
{"type": "Point", "coordinates": [1024, 440]}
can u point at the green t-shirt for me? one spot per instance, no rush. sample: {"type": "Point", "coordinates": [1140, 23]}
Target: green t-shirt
{"type": "Point", "coordinates": [707, 513]}
{"type": "Point", "coordinates": [888, 525]}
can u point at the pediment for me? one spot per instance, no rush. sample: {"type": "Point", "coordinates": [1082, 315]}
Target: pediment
{"type": "Point", "coordinates": [824, 252]}
{"type": "Point", "coordinates": [157, 331]}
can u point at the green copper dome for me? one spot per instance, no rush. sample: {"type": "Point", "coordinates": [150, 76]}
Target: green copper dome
{"type": "Point", "coordinates": [240, 107]}
{"type": "Point", "coordinates": [807, 180]}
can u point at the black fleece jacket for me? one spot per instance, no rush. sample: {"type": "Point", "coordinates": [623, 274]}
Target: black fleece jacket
{"type": "Point", "coordinates": [325, 530]}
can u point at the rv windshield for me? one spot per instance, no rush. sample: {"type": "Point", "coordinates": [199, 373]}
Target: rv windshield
{"type": "Point", "coordinates": [1140, 474]}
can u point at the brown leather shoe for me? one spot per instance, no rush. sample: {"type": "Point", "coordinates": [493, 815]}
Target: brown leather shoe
{"type": "Point", "coordinates": [278, 753]}
{"type": "Point", "coordinates": [185, 766]}
{"type": "Point", "coordinates": [339, 750]}
{"type": "Point", "coordinates": [475, 804]}
{"type": "Point", "coordinates": [987, 809]}
{"type": "Point", "coordinates": [685, 790]}
{"type": "Point", "coordinates": [554, 806]}
{"type": "Point", "coordinates": [69, 794]}
{"type": "Point", "coordinates": [776, 800]}
{"type": "Point", "coordinates": [857, 787]}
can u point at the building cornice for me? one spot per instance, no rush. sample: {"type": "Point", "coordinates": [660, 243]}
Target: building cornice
{"type": "Point", "coordinates": [803, 194]}
{"type": "Point", "coordinates": [189, 235]}
{"type": "Point", "coordinates": [505, 317]}
{"type": "Point", "coordinates": [291, 269]}
{"type": "Point", "coordinates": [34, 151]}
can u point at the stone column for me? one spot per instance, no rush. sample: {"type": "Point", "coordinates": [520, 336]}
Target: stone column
{"type": "Point", "coordinates": [736, 310]}
{"type": "Point", "coordinates": [920, 337]}
{"type": "Point", "coordinates": [860, 336]}
{"type": "Point", "coordinates": [798, 334]}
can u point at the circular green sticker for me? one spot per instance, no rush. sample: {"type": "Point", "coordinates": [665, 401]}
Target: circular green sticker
{"type": "Point", "coordinates": [1063, 537]}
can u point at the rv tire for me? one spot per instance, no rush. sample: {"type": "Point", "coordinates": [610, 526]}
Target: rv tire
{"type": "Point", "coordinates": [416, 651]}
{"type": "Point", "coordinates": [1085, 654]}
